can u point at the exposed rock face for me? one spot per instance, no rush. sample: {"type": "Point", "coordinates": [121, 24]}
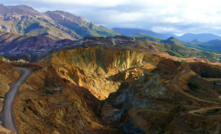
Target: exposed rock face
{"type": "Point", "coordinates": [95, 89]}
{"type": "Point", "coordinates": [34, 48]}
{"type": "Point", "coordinates": [150, 105]}
{"type": "Point", "coordinates": [140, 92]}
{"type": "Point", "coordinates": [47, 103]}
{"type": "Point", "coordinates": [101, 70]}
{"type": "Point", "coordinates": [4, 59]}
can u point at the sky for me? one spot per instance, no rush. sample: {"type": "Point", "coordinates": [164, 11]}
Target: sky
{"type": "Point", "coordinates": [170, 16]}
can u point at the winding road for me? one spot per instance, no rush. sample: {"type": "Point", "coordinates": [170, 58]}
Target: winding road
{"type": "Point", "coordinates": [176, 86]}
{"type": "Point", "coordinates": [8, 120]}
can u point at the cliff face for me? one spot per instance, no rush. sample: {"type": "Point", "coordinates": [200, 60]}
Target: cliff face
{"type": "Point", "coordinates": [96, 89]}
{"type": "Point", "coordinates": [101, 70]}
{"type": "Point", "coordinates": [47, 103]}
{"type": "Point", "coordinates": [154, 104]}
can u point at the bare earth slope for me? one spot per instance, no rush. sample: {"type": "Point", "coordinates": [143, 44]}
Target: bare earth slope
{"type": "Point", "coordinates": [8, 75]}
{"type": "Point", "coordinates": [115, 90]}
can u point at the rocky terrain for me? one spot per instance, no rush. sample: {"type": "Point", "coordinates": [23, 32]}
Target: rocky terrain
{"type": "Point", "coordinates": [109, 85]}
{"type": "Point", "coordinates": [117, 90]}
{"type": "Point", "coordinates": [85, 79]}
{"type": "Point", "coordinates": [57, 25]}
{"type": "Point", "coordinates": [34, 48]}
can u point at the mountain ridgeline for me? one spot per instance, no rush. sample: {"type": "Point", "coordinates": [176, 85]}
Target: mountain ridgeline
{"type": "Point", "coordinates": [54, 24]}
{"type": "Point", "coordinates": [34, 48]}
{"type": "Point", "coordinates": [187, 37]}
{"type": "Point", "coordinates": [87, 79]}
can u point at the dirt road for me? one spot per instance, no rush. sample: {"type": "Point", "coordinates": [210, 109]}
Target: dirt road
{"type": "Point", "coordinates": [176, 86]}
{"type": "Point", "coordinates": [8, 120]}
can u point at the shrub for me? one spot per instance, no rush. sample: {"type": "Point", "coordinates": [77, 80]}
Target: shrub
{"type": "Point", "coordinates": [193, 85]}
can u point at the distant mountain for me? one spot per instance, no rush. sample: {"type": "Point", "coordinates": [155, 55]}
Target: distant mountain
{"type": "Point", "coordinates": [212, 46]}
{"type": "Point", "coordinates": [33, 48]}
{"type": "Point", "coordinates": [13, 44]}
{"type": "Point", "coordinates": [146, 37]}
{"type": "Point", "coordinates": [205, 37]}
{"type": "Point", "coordinates": [174, 41]}
{"type": "Point", "coordinates": [168, 35]}
{"type": "Point", "coordinates": [56, 24]}
{"type": "Point", "coordinates": [132, 31]}
{"type": "Point", "coordinates": [188, 37]}
{"type": "Point", "coordinates": [197, 40]}
{"type": "Point", "coordinates": [80, 25]}
{"type": "Point", "coordinates": [216, 42]}
{"type": "Point", "coordinates": [196, 44]}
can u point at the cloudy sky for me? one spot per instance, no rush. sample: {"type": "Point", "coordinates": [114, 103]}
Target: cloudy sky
{"type": "Point", "coordinates": [170, 16]}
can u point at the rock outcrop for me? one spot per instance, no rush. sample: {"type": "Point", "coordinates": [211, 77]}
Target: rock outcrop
{"type": "Point", "coordinates": [101, 70]}
{"type": "Point", "coordinates": [109, 90]}
{"type": "Point", "coordinates": [47, 103]}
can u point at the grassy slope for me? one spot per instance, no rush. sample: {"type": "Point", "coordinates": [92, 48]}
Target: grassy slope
{"type": "Point", "coordinates": [146, 37]}
{"type": "Point", "coordinates": [179, 48]}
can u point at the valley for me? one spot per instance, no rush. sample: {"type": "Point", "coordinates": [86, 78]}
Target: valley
{"type": "Point", "coordinates": [62, 74]}
{"type": "Point", "coordinates": [80, 91]}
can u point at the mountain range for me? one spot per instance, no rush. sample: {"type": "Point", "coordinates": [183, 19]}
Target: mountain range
{"type": "Point", "coordinates": [211, 46]}
{"type": "Point", "coordinates": [55, 24]}
{"type": "Point", "coordinates": [72, 76]}
{"type": "Point", "coordinates": [34, 48]}
{"type": "Point", "coordinates": [188, 37]}
{"type": "Point", "coordinates": [132, 31]}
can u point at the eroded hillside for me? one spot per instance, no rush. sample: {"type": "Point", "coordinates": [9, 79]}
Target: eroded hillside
{"type": "Point", "coordinates": [8, 75]}
{"type": "Point", "coordinates": [109, 90]}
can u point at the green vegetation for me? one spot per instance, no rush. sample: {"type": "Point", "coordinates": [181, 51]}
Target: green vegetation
{"type": "Point", "coordinates": [205, 74]}
{"type": "Point", "coordinates": [174, 41]}
{"type": "Point", "coordinates": [197, 40]}
{"type": "Point", "coordinates": [146, 37]}
{"type": "Point", "coordinates": [47, 92]}
{"type": "Point", "coordinates": [178, 48]}
{"type": "Point", "coordinates": [173, 53]}
{"type": "Point", "coordinates": [193, 85]}
{"type": "Point", "coordinates": [27, 101]}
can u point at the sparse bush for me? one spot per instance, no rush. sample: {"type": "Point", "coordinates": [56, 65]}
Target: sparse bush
{"type": "Point", "coordinates": [183, 61]}
{"type": "Point", "coordinates": [47, 92]}
{"type": "Point", "coordinates": [205, 74]}
{"type": "Point", "coordinates": [193, 85]}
